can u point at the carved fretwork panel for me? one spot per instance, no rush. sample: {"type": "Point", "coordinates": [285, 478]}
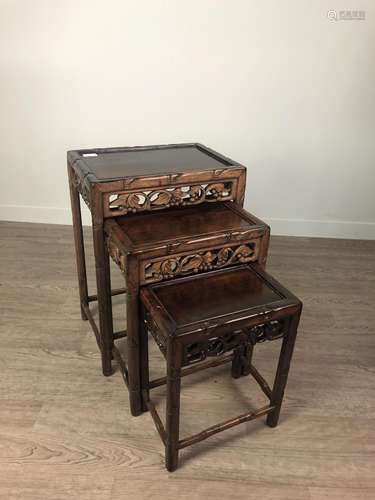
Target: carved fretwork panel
{"type": "Point", "coordinates": [157, 199]}
{"type": "Point", "coordinates": [218, 345]}
{"type": "Point", "coordinates": [153, 329]}
{"type": "Point", "coordinates": [183, 265]}
{"type": "Point", "coordinates": [115, 253]}
{"type": "Point", "coordinates": [81, 187]}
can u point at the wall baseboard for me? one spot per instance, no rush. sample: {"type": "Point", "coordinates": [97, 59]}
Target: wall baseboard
{"type": "Point", "coordinates": [322, 229]}
{"type": "Point", "coordinates": [282, 227]}
{"type": "Point", "coordinates": [43, 215]}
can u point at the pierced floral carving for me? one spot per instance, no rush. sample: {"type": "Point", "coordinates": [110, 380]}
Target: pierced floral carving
{"type": "Point", "coordinates": [171, 267]}
{"type": "Point", "coordinates": [123, 203]}
{"type": "Point", "coordinates": [216, 346]}
{"type": "Point", "coordinates": [115, 253]}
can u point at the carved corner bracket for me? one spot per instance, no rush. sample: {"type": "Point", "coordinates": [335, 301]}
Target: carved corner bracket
{"type": "Point", "coordinates": [115, 253]}
{"type": "Point", "coordinates": [82, 187]}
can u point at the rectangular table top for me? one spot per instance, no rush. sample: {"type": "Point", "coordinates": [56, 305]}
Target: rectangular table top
{"type": "Point", "coordinates": [199, 221]}
{"type": "Point", "coordinates": [217, 295]}
{"type": "Point", "coordinates": [118, 163]}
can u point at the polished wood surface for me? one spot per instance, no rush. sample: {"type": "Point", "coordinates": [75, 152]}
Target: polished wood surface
{"type": "Point", "coordinates": [185, 232]}
{"type": "Point", "coordinates": [213, 295]}
{"type": "Point", "coordinates": [191, 222]}
{"type": "Point", "coordinates": [66, 431]}
{"type": "Point", "coordinates": [112, 163]}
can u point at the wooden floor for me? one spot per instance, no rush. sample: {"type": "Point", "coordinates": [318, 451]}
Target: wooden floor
{"type": "Point", "coordinates": [66, 431]}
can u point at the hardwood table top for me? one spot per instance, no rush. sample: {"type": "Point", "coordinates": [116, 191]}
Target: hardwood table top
{"type": "Point", "coordinates": [223, 296]}
{"type": "Point", "coordinates": [200, 221]}
{"type": "Point", "coordinates": [104, 164]}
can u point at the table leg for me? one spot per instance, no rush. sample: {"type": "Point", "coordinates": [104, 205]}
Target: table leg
{"type": "Point", "coordinates": [174, 360]}
{"type": "Point", "coordinates": [133, 334]}
{"type": "Point", "coordinates": [79, 244]}
{"type": "Point", "coordinates": [282, 371]}
{"type": "Point", "coordinates": [144, 360]}
{"type": "Point", "coordinates": [103, 282]}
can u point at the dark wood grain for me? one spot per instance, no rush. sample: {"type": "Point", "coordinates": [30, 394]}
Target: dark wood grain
{"type": "Point", "coordinates": [114, 163]}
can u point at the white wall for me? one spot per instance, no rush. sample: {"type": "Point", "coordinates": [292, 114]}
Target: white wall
{"type": "Point", "coordinates": [273, 84]}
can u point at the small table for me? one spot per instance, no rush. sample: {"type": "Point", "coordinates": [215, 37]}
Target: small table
{"type": "Point", "coordinates": [204, 321]}
{"type": "Point", "coordinates": [120, 181]}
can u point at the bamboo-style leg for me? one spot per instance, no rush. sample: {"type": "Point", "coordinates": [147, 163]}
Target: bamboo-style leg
{"type": "Point", "coordinates": [145, 376]}
{"type": "Point", "coordinates": [174, 358]}
{"type": "Point", "coordinates": [79, 244]}
{"type": "Point", "coordinates": [282, 371]}
{"type": "Point", "coordinates": [133, 342]}
{"type": "Point", "coordinates": [104, 297]}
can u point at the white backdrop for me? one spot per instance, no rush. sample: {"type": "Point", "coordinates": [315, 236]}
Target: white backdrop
{"type": "Point", "coordinates": [275, 85]}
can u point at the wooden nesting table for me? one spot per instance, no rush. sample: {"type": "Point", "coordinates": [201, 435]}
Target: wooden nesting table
{"type": "Point", "coordinates": [154, 247]}
{"type": "Point", "coordinates": [118, 182]}
{"type": "Point", "coordinates": [193, 262]}
{"type": "Point", "coordinates": [216, 317]}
